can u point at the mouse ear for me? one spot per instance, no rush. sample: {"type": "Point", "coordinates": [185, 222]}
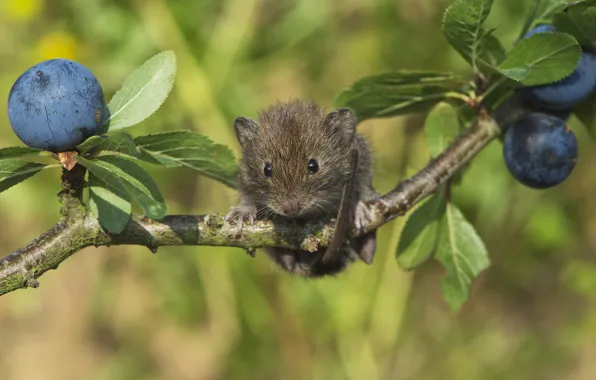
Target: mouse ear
{"type": "Point", "coordinates": [342, 120]}
{"type": "Point", "coordinates": [246, 129]}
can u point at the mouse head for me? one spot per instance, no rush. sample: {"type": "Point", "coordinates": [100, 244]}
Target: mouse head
{"type": "Point", "coordinates": [296, 158]}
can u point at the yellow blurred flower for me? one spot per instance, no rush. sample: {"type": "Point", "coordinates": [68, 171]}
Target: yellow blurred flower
{"type": "Point", "coordinates": [22, 10]}
{"type": "Point", "coordinates": [57, 45]}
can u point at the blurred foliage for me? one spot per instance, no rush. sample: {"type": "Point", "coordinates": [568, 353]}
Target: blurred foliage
{"type": "Point", "coordinates": [214, 313]}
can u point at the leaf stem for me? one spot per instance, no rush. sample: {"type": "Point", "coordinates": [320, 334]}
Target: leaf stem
{"type": "Point", "coordinates": [492, 88]}
{"type": "Point", "coordinates": [459, 96]}
{"type": "Point", "coordinates": [52, 166]}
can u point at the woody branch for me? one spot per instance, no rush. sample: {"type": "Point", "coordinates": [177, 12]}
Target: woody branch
{"type": "Point", "coordinates": [79, 229]}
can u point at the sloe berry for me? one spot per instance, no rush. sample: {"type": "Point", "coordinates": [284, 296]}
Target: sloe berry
{"type": "Point", "coordinates": [540, 151]}
{"type": "Point", "coordinates": [56, 104]}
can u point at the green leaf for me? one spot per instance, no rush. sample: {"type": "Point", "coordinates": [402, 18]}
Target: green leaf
{"type": "Point", "coordinates": [463, 27]}
{"type": "Point", "coordinates": [116, 142]}
{"type": "Point", "coordinates": [579, 20]}
{"type": "Point", "coordinates": [492, 53]}
{"type": "Point", "coordinates": [586, 113]}
{"type": "Point", "coordinates": [17, 151]}
{"type": "Point", "coordinates": [190, 149]}
{"type": "Point", "coordinates": [541, 59]}
{"type": "Point", "coordinates": [143, 91]}
{"type": "Point", "coordinates": [462, 253]}
{"type": "Point", "coordinates": [14, 171]}
{"type": "Point", "coordinates": [90, 145]}
{"type": "Point", "coordinates": [541, 10]}
{"type": "Point", "coordinates": [420, 235]}
{"type": "Point", "coordinates": [110, 205]}
{"type": "Point", "coordinates": [120, 142]}
{"type": "Point", "coordinates": [441, 127]}
{"type": "Point", "coordinates": [127, 177]}
{"type": "Point", "coordinates": [397, 93]}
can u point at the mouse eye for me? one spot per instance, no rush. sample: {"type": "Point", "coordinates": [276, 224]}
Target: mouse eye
{"type": "Point", "coordinates": [313, 166]}
{"type": "Point", "coordinates": [268, 170]}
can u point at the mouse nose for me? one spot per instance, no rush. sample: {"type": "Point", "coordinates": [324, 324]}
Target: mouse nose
{"type": "Point", "coordinates": [291, 207]}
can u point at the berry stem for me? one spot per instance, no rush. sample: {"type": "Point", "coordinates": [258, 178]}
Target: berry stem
{"type": "Point", "coordinates": [459, 96]}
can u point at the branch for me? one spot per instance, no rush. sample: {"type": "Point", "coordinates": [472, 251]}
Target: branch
{"type": "Point", "coordinates": [80, 229]}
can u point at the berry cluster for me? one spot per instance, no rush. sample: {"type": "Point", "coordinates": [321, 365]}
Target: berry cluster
{"type": "Point", "coordinates": [56, 105]}
{"type": "Point", "coordinates": [539, 149]}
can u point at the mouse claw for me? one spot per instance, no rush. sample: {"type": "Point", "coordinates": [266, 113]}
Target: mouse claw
{"type": "Point", "coordinates": [240, 213]}
{"type": "Point", "coordinates": [362, 216]}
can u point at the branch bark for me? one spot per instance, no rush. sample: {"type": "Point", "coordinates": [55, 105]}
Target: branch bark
{"type": "Point", "coordinates": [79, 229]}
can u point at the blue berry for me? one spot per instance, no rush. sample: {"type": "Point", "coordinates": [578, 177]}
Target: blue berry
{"type": "Point", "coordinates": [540, 29]}
{"type": "Point", "coordinates": [55, 105]}
{"type": "Point", "coordinates": [569, 91]}
{"type": "Point", "coordinates": [540, 151]}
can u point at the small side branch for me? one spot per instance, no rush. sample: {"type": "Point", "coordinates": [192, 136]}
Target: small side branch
{"type": "Point", "coordinates": [79, 229]}
{"type": "Point", "coordinates": [412, 190]}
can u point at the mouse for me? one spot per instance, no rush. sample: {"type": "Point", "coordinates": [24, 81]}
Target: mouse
{"type": "Point", "coordinates": [297, 162]}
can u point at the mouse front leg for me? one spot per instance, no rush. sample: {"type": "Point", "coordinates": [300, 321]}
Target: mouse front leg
{"type": "Point", "coordinates": [365, 245]}
{"type": "Point", "coordinates": [362, 216]}
{"type": "Point", "coordinates": [362, 213]}
{"type": "Point", "coordinates": [247, 210]}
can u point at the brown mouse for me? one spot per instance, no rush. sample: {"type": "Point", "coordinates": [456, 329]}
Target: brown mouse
{"type": "Point", "coordinates": [295, 162]}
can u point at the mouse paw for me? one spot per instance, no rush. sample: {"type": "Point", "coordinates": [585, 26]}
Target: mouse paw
{"type": "Point", "coordinates": [362, 216]}
{"type": "Point", "coordinates": [241, 213]}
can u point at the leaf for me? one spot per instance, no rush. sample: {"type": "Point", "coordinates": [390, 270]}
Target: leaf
{"type": "Point", "coordinates": [110, 205]}
{"type": "Point", "coordinates": [579, 20]}
{"type": "Point", "coordinates": [127, 177]}
{"type": "Point", "coordinates": [462, 253]}
{"type": "Point", "coordinates": [120, 142]}
{"type": "Point", "coordinates": [540, 10]}
{"type": "Point", "coordinates": [143, 91]}
{"type": "Point", "coordinates": [441, 127]}
{"type": "Point", "coordinates": [586, 113]}
{"type": "Point", "coordinates": [420, 235]}
{"type": "Point", "coordinates": [90, 144]}
{"type": "Point", "coordinates": [190, 149]}
{"type": "Point", "coordinates": [116, 142]}
{"type": "Point", "coordinates": [14, 171]}
{"type": "Point", "coordinates": [396, 93]}
{"type": "Point", "coordinates": [463, 27]}
{"type": "Point", "coordinates": [17, 151]}
{"type": "Point", "coordinates": [492, 52]}
{"type": "Point", "coordinates": [541, 59]}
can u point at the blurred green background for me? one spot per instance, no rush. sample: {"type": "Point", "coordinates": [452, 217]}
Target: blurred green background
{"type": "Point", "coordinates": [215, 313]}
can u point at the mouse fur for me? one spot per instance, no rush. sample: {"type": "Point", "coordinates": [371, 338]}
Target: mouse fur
{"type": "Point", "coordinates": [278, 180]}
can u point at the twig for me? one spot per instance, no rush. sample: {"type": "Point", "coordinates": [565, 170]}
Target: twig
{"type": "Point", "coordinates": [80, 229]}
